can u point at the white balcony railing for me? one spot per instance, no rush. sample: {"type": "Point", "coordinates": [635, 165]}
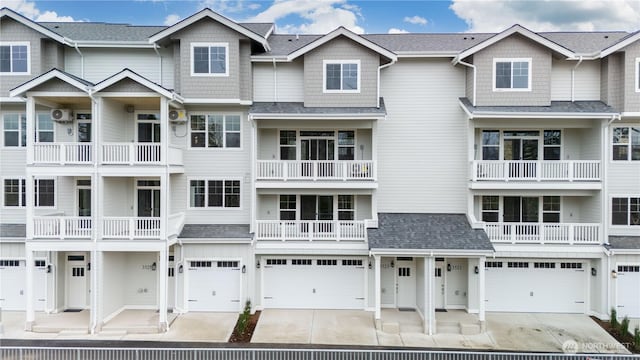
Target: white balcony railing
{"type": "Point", "coordinates": [535, 170]}
{"type": "Point", "coordinates": [131, 153]}
{"type": "Point", "coordinates": [316, 170]}
{"type": "Point", "coordinates": [547, 233]}
{"type": "Point", "coordinates": [62, 153]}
{"type": "Point", "coordinates": [62, 227]}
{"type": "Point", "coordinates": [131, 228]}
{"type": "Point", "coordinates": [312, 230]}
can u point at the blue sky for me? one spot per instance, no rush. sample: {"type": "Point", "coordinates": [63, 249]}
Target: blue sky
{"type": "Point", "coordinates": [368, 16]}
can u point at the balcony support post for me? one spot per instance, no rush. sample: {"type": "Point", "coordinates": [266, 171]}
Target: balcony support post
{"type": "Point", "coordinates": [571, 166]}
{"type": "Point", "coordinates": [374, 149]}
{"type": "Point", "coordinates": [31, 120]}
{"type": "Point", "coordinates": [541, 233]}
{"type": "Point", "coordinates": [336, 223]}
{"type": "Point", "coordinates": [164, 205]}
{"type": "Point", "coordinates": [571, 233]}
{"type": "Point", "coordinates": [163, 325]}
{"type": "Point", "coordinates": [377, 285]}
{"type": "Point", "coordinates": [30, 301]}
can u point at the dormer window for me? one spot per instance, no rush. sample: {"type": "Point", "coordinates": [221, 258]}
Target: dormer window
{"type": "Point", "coordinates": [512, 74]}
{"type": "Point", "coordinates": [341, 76]}
{"type": "Point", "coordinates": [209, 59]}
{"type": "Point", "coordinates": [14, 58]}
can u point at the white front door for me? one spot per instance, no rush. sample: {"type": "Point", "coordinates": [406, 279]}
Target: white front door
{"type": "Point", "coordinates": [214, 285]}
{"type": "Point", "coordinates": [76, 282]}
{"type": "Point", "coordinates": [628, 291]}
{"type": "Point", "coordinates": [406, 282]}
{"type": "Point", "coordinates": [438, 285]}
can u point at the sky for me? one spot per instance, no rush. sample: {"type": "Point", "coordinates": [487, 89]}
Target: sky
{"type": "Point", "coordinates": [368, 16]}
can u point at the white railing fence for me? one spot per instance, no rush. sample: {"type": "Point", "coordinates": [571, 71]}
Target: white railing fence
{"type": "Point", "coordinates": [62, 153]}
{"type": "Point", "coordinates": [131, 227]}
{"type": "Point", "coordinates": [535, 170]}
{"type": "Point", "coordinates": [315, 170]}
{"type": "Point", "coordinates": [131, 153]}
{"type": "Point", "coordinates": [547, 233]}
{"type": "Point", "coordinates": [311, 230]}
{"type": "Point", "coordinates": [62, 227]}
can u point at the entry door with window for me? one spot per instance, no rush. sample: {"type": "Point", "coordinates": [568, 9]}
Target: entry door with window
{"type": "Point", "coordinates": [406, 282]}
{"type": "Point", "coordinates": [148, 198]}
{"type": "Point", "coordinates": [521, 210]}
{"type": "Point", "coordinates": [314, 207]}
{"type": "Point", "coordinates": [84, 136]}
{"type": "Point", "coordinates": [148, 129]}
{"type": "Point", "coordinates": [84, 204]}
{"type": "Point", "coordinates": [76, 282]}
{"type": "Point", "coordinates": [521, 145]}
{"type": "Point", "coordinates": [317, 146]}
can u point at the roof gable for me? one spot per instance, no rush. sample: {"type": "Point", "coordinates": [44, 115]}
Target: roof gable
{"type": "Point", "coordinates": [33, 25]}
{"type": "Point", "coordinates": [137, 78]}
{"type": "Point", "coordinates": [72, 80]}
{"type": "Point", "coordinates": [208, 13]}
{"type": "Point", "coordinates": [515, 29]}
{"type": "Point", "coordinates": [624, 42]}
{"type": "Point", "coordinates": [341, 31]}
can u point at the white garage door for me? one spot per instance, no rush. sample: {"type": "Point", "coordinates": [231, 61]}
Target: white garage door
{"type": "Point", "coordinates": [214, 286]}
{"type": "Point", "coordinates": [628, 290]}
{"type": "Point", "coordinates": [13, 282]}
{"type": "Point", "coordinates": [535, 286]}
{"type": "Point", "coordinates": [312, 283]}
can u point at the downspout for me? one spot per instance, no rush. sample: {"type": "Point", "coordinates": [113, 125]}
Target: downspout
{"type": "Point", "coordinates": [275, 81]}
{"type": "Point", "coordinates": [81, 60]}
{"type": "Point", "coordinates": [155, 48]}
{"type": "Point", "coordinates": [473, 67]}
{"type": "Point", "coordinates": [605, 207]}
{"type": "Point", "coordinates": [393, 61]}
{"type": "Point", "coordinates": [573, 77]}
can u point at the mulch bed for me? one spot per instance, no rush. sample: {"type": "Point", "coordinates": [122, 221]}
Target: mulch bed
{"type": "Point", "coordinates": [245, 337]}
{"type": "Point", "coordinates": [624, 339]}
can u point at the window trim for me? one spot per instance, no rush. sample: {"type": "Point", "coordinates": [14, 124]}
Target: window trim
{"type": "Point", "coordinates": [206, 193]}
{"type": "Point", "coordinates": [21, 115]}
{"type": "Point", "coordinates": [18, 43]}
{"type": "Point", "coordinates": [36, 182]}
{"type": "Point", "coordinates": [629, 145]}
{"type": "Point", "coordinates": [512, 60]}
{"type": "Point", "coordinates": [209, 45]}
{"type": "Point", "coordinates": [341, 63]}
{"type": "Point", "coordinates": [622, 196]}
{"type": "Point", "coordinates": [224, 131]}
{"type": "Point", "coordinates": [21, 181]}
{"type": "Point", "coordinates": [37, 130]}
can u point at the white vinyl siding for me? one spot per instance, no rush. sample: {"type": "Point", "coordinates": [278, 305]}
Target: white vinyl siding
{"type": "Point", "coordinates": [289, 82]}
{"type": "Point", "coordinates": [586, 80]}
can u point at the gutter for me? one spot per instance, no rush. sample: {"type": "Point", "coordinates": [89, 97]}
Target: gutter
{"type": "Point", "coordinates": [393, 61]}
{"type": "Point", "coordinates": [573, 76]}
{"type": "Point", "coordinates": [458, 61]}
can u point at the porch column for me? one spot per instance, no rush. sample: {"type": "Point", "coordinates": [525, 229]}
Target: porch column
{"type": "Point", "coordinates": [29, 182]}
{"type": "Point", "coordinates": [254, 165]}
{"type": "Point", "coordinates": [96, 134]}
{"type": "Point", "coordinates": [163, 260]}
{"type": "Point", "coordinates": [99, 214]}
{"type": "Point", "coordinates": [164, 130]}
{"type": "Point", "coordinates": [374, 148]}
{"type": "Point", "coordinates": [96, 290]}
{"type": "Point", "coordinates": [378, 315]}
{"type": "Point", "coordinates": [30, 306]}
{"type": "Point", "coordinates": [430, 309]}
{"type": "Point", "coordinates": [481, 290]}
{"type": "Point", "coordinates": [164, 205]}
{"type": "Point", "coordinates": [31, 129]}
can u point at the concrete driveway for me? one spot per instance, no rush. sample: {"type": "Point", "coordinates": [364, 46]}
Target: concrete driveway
{"type": "Point", "coordinates": [329, 327]}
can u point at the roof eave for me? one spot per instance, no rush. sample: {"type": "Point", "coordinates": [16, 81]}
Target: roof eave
{"type": "Point", "coordinates": [539, 115]}
{"type": "Point", "coordinates": [432, 252]}
{"type": "Point", "coordinates": [127, 73]}
{"type": "Point", "coordinates": [55, 73]}
{"type": "Point", "coordinates": [620, 45]}
{"type": "Point", "coordinates": [282, 116]}
{"type": "Point", "coordinates": [33, 25]}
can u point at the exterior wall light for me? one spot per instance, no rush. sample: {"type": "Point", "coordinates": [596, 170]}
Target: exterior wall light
{"type": "Point", "coordinates": [370, 265]}
{"type": "Point", "coordinates": [49, 269]}
{"type": "Point", "coordinates": [476, 270]}
{"type": "Point", "coordinates": [594, 271]}
{"type": "Point", "coordinates": [244, 269]}
{"type": "Point", "coordinates": [449, 267]}
{"type": "Point", "coordinates": [154, 267]}
{"type": "Point", "coordinates": [258, 265]}
{"type": "Point", "coordinates": [180, 268]}
{"type": "Point", "coordinates": [614, 273]}
{"type": "Point", "coordinates": [392, 264]}
{"type": "Point", "coordinates": [88, 266]}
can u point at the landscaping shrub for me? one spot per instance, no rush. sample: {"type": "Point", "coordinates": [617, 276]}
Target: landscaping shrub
{"type": "Point", "coordinates": [243, 320]}
{"type": "Point", "coordinates": [613, 321]}
{"type": "Point", "coordinates": [624, 326]}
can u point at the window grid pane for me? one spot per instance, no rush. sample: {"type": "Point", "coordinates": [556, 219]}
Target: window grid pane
{"type": "Point", "coordinates": [197, 192]}
{"type": "Point", "coordinates": [215, 193]}
{"type": "Point", "coordinates": [333, 77]}
{"type": "Point", "coordinates": [232, 193]}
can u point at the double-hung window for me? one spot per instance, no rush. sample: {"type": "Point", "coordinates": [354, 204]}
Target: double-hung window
{"type": "Point", "coordinates": [15, 130]}
{"type": "Point", "coordinates": [209, 59]}
{"type": "Point", "coordinates": [341, 76]}
{"type": "Point", "coordinates": [44, 128]}
{"type": "Point", "coordinates": [490, 145]}
{"type": "Point", "coordinates": [552, 144]}
{"type": "Point", "coordinates": [626, 143]}
{"type": "Point", "coordinates": [214, 193]}
{"type": "Point", "coordinates": [490, 208]}
{"type": "Point", "coordinates": [287, 144]}
{"type": "Point", "coordinates": [215, 131]}
{"type": "Point", "coordinates": [14, 58]}
{"type": "Point", "coordinates": [551, 209]}
{"type": "Point", "coordinates": [346, 207]}
{"type": "Point", "coordinates": [44, 192]}
{"type": "Point", "coordinates": [287, 207]}
{"type": "Point", "coordinates": [14, 193]}
{"type": "Point", "coordinates": [346, 145]}
{"type": "Point", "coordinates": [625, 211]}
{"type": "Point", "coordinates": [512, 74]}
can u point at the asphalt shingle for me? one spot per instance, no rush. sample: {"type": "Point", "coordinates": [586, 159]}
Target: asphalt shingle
{"type": "Point", "coordinates": [215, 231]}
{"type": "Point", "coordinates": [576, 107]}
{"type": "Point", "coordinates": [13, 231]}
{"type": "Point", "coordinates": [624, 242]}
{"type": "Point", "coordinates": [426, 231]}
{"type": "Point", "coordinates": [299, 108]}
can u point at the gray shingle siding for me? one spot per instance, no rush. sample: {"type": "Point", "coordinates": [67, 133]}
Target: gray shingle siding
{"type": "Point", "coordinates": [631, 97]}
{"type": "Point", "coordinates": [11, 30]}
{"type": "Point", "coordinates": [515, 46]}
{"type": "Point", "coordinates": [340, 49]}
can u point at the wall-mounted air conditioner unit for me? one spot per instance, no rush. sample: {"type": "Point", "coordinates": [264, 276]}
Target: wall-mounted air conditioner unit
{"type": "Point", "coordinates": [61, 115]}
{"type": "Point", "coordinates": [178, 116]}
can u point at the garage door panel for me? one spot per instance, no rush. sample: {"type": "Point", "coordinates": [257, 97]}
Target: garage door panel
{"type": "Point", "coordinates": [313, 284]}
{"type": "Point", "coordinates": [13, 282]}
{"type": "Point", "coordinates": [213, 287]}
{"type": "Point", "coordinates": [547, 286]}
{"type": "Point", "coordinates": [628, 291]}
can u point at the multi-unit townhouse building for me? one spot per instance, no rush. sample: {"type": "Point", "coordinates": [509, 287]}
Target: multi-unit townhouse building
{"type": "Point", "coordinates": [197, 166]}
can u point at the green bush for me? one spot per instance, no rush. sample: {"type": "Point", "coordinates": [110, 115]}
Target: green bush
{"type": "Point", "coordinates": [636, 337]}
{"type": "Point", "coordinates": [243, 320]}
{"type": "Point", "coordinates": [624, 326]}
{"type": "Point", "coordinates": [613, 321]}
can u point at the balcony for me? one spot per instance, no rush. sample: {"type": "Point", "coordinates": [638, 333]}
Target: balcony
{"type": "Point", "coordinates": [314, 170]}
{"type": "Point", "coordinates": [62, 227]}
{"type": "Point", "coordinates": [63, 153]}
{"type": "Point", "coordinates": [547, 233]}
{"type": "Point", "coordinates": [312, 230]}
{"type": "Point", "coordinates": [139, 154]}
{"type": "Point", "coordinates": [140, 228]}
{"type": "Point", "coordinates": [535, 170]}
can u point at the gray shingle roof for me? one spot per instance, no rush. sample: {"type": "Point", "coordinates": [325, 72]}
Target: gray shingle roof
{"type": "Point", "coordinates": [215, 231]}
{"type": "Point", "coordinates": [428, 42]}
{"type": "Point", "coordinates": [299, 108]}
{"type": "Point", "coordinates": [624, 242]}
{"type": "Point", "coordinates": [570, 107]}
{"type": "Point", "coordinates": [13, 231]}
{"type": "Point", "coordinates": [585, 43]}
{"type": "Point", "coordinates": [426, 231]}
{"type": "Point", "coordinates": [261, 29]}
{"type": "Point", "coordinates": [95, 31]}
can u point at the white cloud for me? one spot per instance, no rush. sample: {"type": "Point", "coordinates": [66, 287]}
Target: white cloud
{"type": "Point", "coordinates": [29, 9]}
{"type": "Point", "coordinates": [397, 31]}
{"type": "Point", "coordinates": [549, 15]}
{"type": "Point", "coordinates": [171, 19]}
{"type": "Point", "coordinates": [254, 6]}
{"type": "Point", "coordinates": [223, 6]}
{"type": "Point", "coordinates": [318, 16]}
{"type": "Point", "coordinates": [417, 20]}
